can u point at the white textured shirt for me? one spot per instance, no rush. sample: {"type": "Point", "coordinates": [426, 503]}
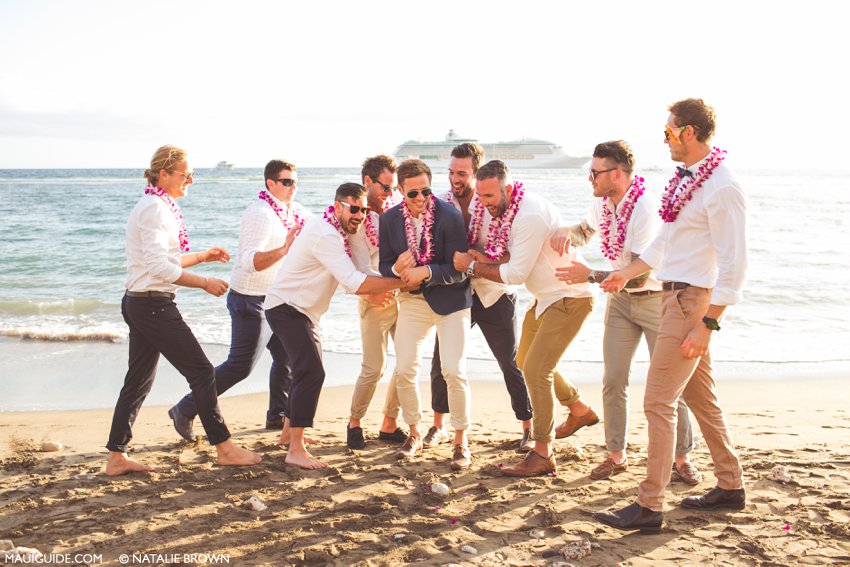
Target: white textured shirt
{"type": "Point", "coordinates": [260, 230]}
{"type": "Point", "coordinates": [153, 247]}
{"type": "Point", "coordinates": [488, 291]}
{"type": "Point", "coordinates": [706, 246]}
{"type": "Point", "coordinates": [533, 261]}
{"type": "Point", "coordinates": [311, 271]}
{"type": "Point", "coordinates": [641, 230]}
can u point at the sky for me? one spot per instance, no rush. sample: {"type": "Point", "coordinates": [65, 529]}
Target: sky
{"type": "Point", "coordinates": [91, 84]}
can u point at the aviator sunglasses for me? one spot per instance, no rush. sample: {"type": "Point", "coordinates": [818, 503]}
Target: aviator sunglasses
{"type": "Point", "coordinates": [356, 208]}
{"type": "Point", "coordinates": [413, 194]}
{"type": "Point", "coordinates": [287, 182]}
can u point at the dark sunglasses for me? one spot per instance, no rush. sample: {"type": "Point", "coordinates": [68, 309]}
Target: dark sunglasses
{"type": "Point", "coordinates": [594, 173]}
{"type": "Point", "coordinates": [387, 188]}
{"type": "Point", "coordinates": [356, 208]}
{"type": "Point", "coordinates": [413, 194]}
{"type": "Point", "coordinates": [287, 182]}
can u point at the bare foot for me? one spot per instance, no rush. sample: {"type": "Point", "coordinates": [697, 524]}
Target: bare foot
{"type": "Point", "coordinates": [304, 460]}
{"type": "Point", "coordinates": [229, 454]}
{"type": "Point", "coordinates": [284, 436]}
{"type": "Point", "coordinates": [119, 463]}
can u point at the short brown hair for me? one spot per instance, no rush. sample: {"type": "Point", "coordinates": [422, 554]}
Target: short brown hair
{"type": "Point", "coordinates": [695, 112]}
{"type": "Point", "coordinates": [165, 157]}
{"type": "Point", "coordinates": [470, 150]}
{"type": "Point", "coordinates": [494, 169]}
{"type": "Point", "coordinates": [353, 190]}
{"type": "Point", "coordinates": [275, 166]}
{"type": "Point", "coordinates": [374, 166]}
{"type": "Point", "coordinates": [412, 168]}
{"type": "Point", "coordinates": [617, 151]}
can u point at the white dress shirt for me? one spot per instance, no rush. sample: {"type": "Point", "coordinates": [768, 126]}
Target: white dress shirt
{"type": "Point", "coordinates": [260, 230]}
{"type": "Point", "coordinates": [311, 271]}
{"type": "Point", "coordinates": [365, 256]}
{"type": "Point", "coordinates": [488, 291]}
{"type": "Point", "coordinates": [153, 247]}
{"type": "Point", "coordinates": [641, 230]}
{"type": "Point", "coordinates": [533, 261]}
{"type": "Point", "coordinates": [706, 246]}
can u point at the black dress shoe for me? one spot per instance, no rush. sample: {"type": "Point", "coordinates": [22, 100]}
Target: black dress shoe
{"type": "Point", "coordinates": [354, 437]}
{"type": "Point", "coordinates": [632, 517]}
{"type": "Point", "coordinates": [397, 436]}
{"type": "Point", "coordinates": [183, 425]}
{"type": "Point", "coordinates": [717, 498]}
{"type": "Point", "coordinates": [275, 423]}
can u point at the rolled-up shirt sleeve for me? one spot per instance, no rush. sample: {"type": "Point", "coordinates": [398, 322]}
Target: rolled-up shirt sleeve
{"type": "Point", "coordinates": [531, 233]}
{"type": "Point", "coordinates": [330, 251]}
{"type": "Point", "coordinates": [155, 231]}
{"type": "Point", "coordinates": [726, 210]}
{"type": "Point", "coordinates": [253, 237]}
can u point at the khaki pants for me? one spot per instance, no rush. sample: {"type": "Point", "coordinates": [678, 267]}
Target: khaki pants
{"type": "Point", "coordinates": [672, 376]}
{"type": "Point", "coordinates": [541, 347]}
{"type": "Point", "coordinates": [377, 325]}
{"type": "Point", "coordinates": [415, 321]}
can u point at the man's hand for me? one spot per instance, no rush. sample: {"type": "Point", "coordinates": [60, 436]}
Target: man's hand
{"type": "Point", "coordinates": [214, 254]}
{"type": "Point", "coordinates": [415, 276]}
{"type": "Point", "coordinates": [290, 236]}
{"type": "Point", "coordinates": [403, 262]}
{"type": "Point", "coordinates": [560, 241]}
{"type": "Point", "coordinates": [215, 286]}
{"type": "Point", "coordinates": [462, 260]}
{"type": "Point", "coordinates": [380, 299]}
{"type": "Point", "coordinates": [614, 283]}
{"type": "Point", "coordinates": [696, 343]}
{"type": "Point", "coordinates": [577, 273]}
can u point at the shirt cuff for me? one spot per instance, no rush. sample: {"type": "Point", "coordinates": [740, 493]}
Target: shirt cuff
{"type": "Point", "coordinates": [726, 296]}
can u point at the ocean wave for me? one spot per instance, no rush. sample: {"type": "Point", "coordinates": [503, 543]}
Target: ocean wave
{"type": "Point", "coordinates": [64, 336]}
{"type": "Point", "coordinates": [54, 307]}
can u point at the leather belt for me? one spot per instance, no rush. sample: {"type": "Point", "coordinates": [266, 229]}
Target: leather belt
{"type": "Point", "coordinates": [673, 286]}
{"type": "Point", "coordinates": [644, 292]}
{"type": "Point", "coordinates": [167, 294]}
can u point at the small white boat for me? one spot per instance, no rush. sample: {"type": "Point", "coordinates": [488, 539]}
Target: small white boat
{"type": "Point", "coordinates": [224, 165]}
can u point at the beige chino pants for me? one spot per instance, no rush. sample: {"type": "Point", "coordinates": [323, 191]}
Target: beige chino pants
{"type": "Point", "coordinates": [541, 346]}
{"type": "Point", "coordinates": [672, 376]}
{"type": "Point", "coordinates": [377, 325]}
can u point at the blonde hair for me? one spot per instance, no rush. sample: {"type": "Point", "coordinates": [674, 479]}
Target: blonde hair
{"type": "Point", "coordinates": [164, 158]}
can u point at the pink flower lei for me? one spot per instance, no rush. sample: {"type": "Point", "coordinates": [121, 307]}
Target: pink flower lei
{"type": "Point", "coordinates": [500, 227]}
{"type": "Point", "coordinates": [183, 235]}
{"type": "Point", "coordinates": [613, 247]}
{"type": "Point", "coordinates": [475, 221]}
{"type": "Point", "coordinates": [371, 233]}
{"type": "Point", "coordinates": [672, 204]}
{"type": "Point", "coordinates": [289, 217]}
{"type": "Point", "coordinates": [427, 254]}
{"type": "Point", "coordinates": [334, 222]}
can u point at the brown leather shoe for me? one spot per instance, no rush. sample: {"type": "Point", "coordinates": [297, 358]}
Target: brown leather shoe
{"type": "Point", "coordinates": [574, 423]}
{"type": "Point", "coordinates": [688, 473]}
{"type": "Point", "coordinates": [409, 448]}
{"type": "Point", "coordinates": [609, 468]}
{"type": "Point", "coordinates": [532, 465]}
{"type": "Point", "coordinates": [461, 457]}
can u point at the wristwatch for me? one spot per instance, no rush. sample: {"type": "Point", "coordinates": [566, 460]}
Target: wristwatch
{"type": "Point", "coordinates": [711, 323]}
{"type": "Point", "coordinates": [470, 269]}
{"type": "Point", "coordinates": [591, 277]}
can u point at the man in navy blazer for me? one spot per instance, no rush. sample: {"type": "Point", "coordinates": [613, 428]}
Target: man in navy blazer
{"type": "Point", "coordinates": [418, 240]}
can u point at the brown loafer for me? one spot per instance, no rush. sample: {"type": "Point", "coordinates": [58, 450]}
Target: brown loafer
{"type": "Point", "coordinates": [574, 423]}
{"type": "Point", "coordinates": [688, 473]}
{"type": "Point", "coordinates": [532, 465]}
{"type": "Point", "coordinates": [409, 448]}
{"type": "Point", "coordinates": [609, 468]}
{"type": "Point", "coordinates": [461, 457]}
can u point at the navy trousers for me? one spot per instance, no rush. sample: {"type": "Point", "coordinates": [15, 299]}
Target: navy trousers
{"type": "Point", "coordinates": [498, 324]}
{"type": "Point", "coordinates": [303, 346]}
{"type": "Point", "coordinates": [246, 346]}
{"type": "Point", "coordinates": [156, 327]}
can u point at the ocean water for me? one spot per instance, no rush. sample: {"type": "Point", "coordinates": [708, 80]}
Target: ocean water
{"type": "Point", "coordinates": [62, 263]}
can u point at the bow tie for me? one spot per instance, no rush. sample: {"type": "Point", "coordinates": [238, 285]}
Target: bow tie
{"type": "Point", "coordinates": [683, 172]}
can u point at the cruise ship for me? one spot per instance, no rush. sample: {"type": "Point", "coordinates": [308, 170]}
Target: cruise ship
{"type": "Point", "coordinates": [523, 153]}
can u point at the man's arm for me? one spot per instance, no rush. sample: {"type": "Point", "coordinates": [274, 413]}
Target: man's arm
{"type": "Point", "coordinates": [577, 235]}
{"type": "Point", "coordinates": [263, 260]}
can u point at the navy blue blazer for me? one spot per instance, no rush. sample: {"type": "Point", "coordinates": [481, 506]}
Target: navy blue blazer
{"type": "Point", "coordinates": [448, 290]}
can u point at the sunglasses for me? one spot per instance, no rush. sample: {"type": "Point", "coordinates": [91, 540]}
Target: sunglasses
{"type": "Point", "coordinates": [387, 188]}
{"type": "Point", "coordinates": [186, 175]}
{"type": "Point", "coordinates": [675, 133]}
{"type": "Point", "coordinates": [594, 173]}
{"type": "Point", "coordinates": [287, 182]}
{"type": "Point", "coordinates": [356, 208]}
{"type": "Point", "coordinates": [413, 194]}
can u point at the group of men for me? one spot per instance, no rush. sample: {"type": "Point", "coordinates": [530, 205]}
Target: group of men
{"type": "Point", "coordinates": [420, 261]}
